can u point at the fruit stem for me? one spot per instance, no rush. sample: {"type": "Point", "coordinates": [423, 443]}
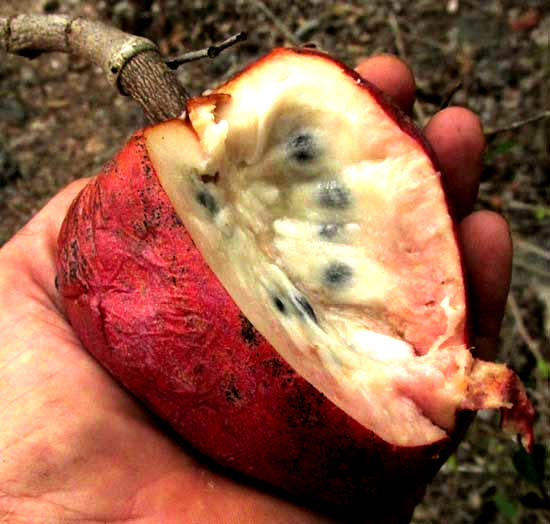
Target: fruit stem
{"type": "Point", "coordinates": [131, 63]}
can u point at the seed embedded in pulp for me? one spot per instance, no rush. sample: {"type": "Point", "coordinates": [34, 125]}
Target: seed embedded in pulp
{"type": "Point", "coordinates": [334, 195]}
{"type": "Point", "coordinates": [304, 307]}
{"type": "Point", "coordinates": [337, 274]}
{"type": "Point", "coordinates": [206, 200]}
{"type": "Point", "coordinates": [279, 304]}
{"type": "Point", "coordinates": [303, 147]}
{"type": "Point", "coordinates": [329, 231]}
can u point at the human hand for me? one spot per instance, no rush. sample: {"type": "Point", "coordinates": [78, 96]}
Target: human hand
{"type": "Point", "coordinates": [76, 446]}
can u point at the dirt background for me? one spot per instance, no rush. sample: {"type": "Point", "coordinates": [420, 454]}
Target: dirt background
{"type": "Point", "coordinates": [60, 120]}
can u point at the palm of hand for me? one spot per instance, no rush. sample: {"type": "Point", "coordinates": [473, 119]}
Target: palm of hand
{"type": "Point", "coordinates": [75, 446]}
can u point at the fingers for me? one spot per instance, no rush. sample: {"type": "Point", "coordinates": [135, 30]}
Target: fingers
{"type": "Point", "coordinates": [392, 76]}
{"type": "Point", "coordinates": [487, 255]}
{"type": "Point", "coordinates": [457, 139]}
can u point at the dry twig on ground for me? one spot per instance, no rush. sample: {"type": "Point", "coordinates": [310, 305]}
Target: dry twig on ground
{"type": "Point", "coordinates": [518, 123]}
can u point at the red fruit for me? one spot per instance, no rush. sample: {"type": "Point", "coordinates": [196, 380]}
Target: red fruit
{"type": "Point", "coordinates": [318, 206]}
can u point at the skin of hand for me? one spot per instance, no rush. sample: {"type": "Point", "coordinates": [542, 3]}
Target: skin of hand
{"type": "Point", "coordinates": [74, 446]}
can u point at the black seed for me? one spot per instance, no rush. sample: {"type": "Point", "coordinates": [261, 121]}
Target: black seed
{"type": "Point", "coordinates": [304, 307]}
{"type": "Point", "coordinates": [56, 282]}
{"type": "Point", "coordinates": [333, 195]}
{"type": "Point", "coordinates": [303, 147]}
{"type": "Point", "coordinates": [329, 231]}
{"type": "Point", "coordinates": [338, 274]}
{"type": "Point", "coordinates": [205, 199]}
{"type": "Point", "coordinates": [279, 305]}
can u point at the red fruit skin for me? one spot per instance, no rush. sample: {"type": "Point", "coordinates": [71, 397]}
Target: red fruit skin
{"type": "Point", "coordinates": [146, 305]}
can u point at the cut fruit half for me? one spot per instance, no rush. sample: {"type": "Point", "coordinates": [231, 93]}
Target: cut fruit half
{"type": "Point", "coordinates": [320, 209]}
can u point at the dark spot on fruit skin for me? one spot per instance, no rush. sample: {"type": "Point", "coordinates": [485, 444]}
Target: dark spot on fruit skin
{"type": "Point", "coordinates": [176, 220]}
{"type": "Point", "coordinates": [206, 200]}
{"type": "Point", "coordinates": [56, 282]}
{"type": "Point", "coordinates": [73, 261]}
{"type": "Point", "coordinates": [338, 274]}
{"type": "Point", "coordinates": [329, 231]}
{"type": "Point", "coordinates": [248, 332]}
{"type": "Point", "coordinates": [109, 166]}
{"type": "Point", "coordinates": [232, 394]}
{"type": "Point", "coordinates": [279, 305]}
{"type": "Point", "coordinates": [333, 195]}
{"type": "Point", "coordinates": [302, 409]}
{"type": "Point", "coordinates": [147, 171]}
{"type": "Point", "coordinates": [302, 147]}
{"type": "Point", "coordinates": [275, 366]}
{"type": "Point", "coordinates": [297, 403]}
{"type": "Point", "coordinates": [153, 215]}
{"type": "Point", "coordinates": [304, 307]}
{"type": "Point", "coordinates": [199, 369]}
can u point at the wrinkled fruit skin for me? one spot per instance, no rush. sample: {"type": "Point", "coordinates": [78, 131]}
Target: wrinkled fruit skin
{"type": "Point", "coordinates": [145, 304]}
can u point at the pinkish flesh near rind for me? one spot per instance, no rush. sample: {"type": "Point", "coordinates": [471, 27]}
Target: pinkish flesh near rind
{"type": "Point", "coordinates": [326, 221]}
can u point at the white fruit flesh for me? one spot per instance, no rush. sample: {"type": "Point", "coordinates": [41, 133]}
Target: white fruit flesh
{"type": "Point", "coordinates": [327, 224]}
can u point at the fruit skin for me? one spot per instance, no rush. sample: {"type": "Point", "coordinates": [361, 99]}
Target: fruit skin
{"type": "Point", "coordinates": [145, 304]}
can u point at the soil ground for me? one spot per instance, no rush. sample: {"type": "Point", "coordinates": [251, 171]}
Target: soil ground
{"type": "Point", "coordinates": [60, 120]}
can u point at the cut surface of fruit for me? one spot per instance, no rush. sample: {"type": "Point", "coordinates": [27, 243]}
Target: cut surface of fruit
{"type": "Point", "coordinates": [322, 212]}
